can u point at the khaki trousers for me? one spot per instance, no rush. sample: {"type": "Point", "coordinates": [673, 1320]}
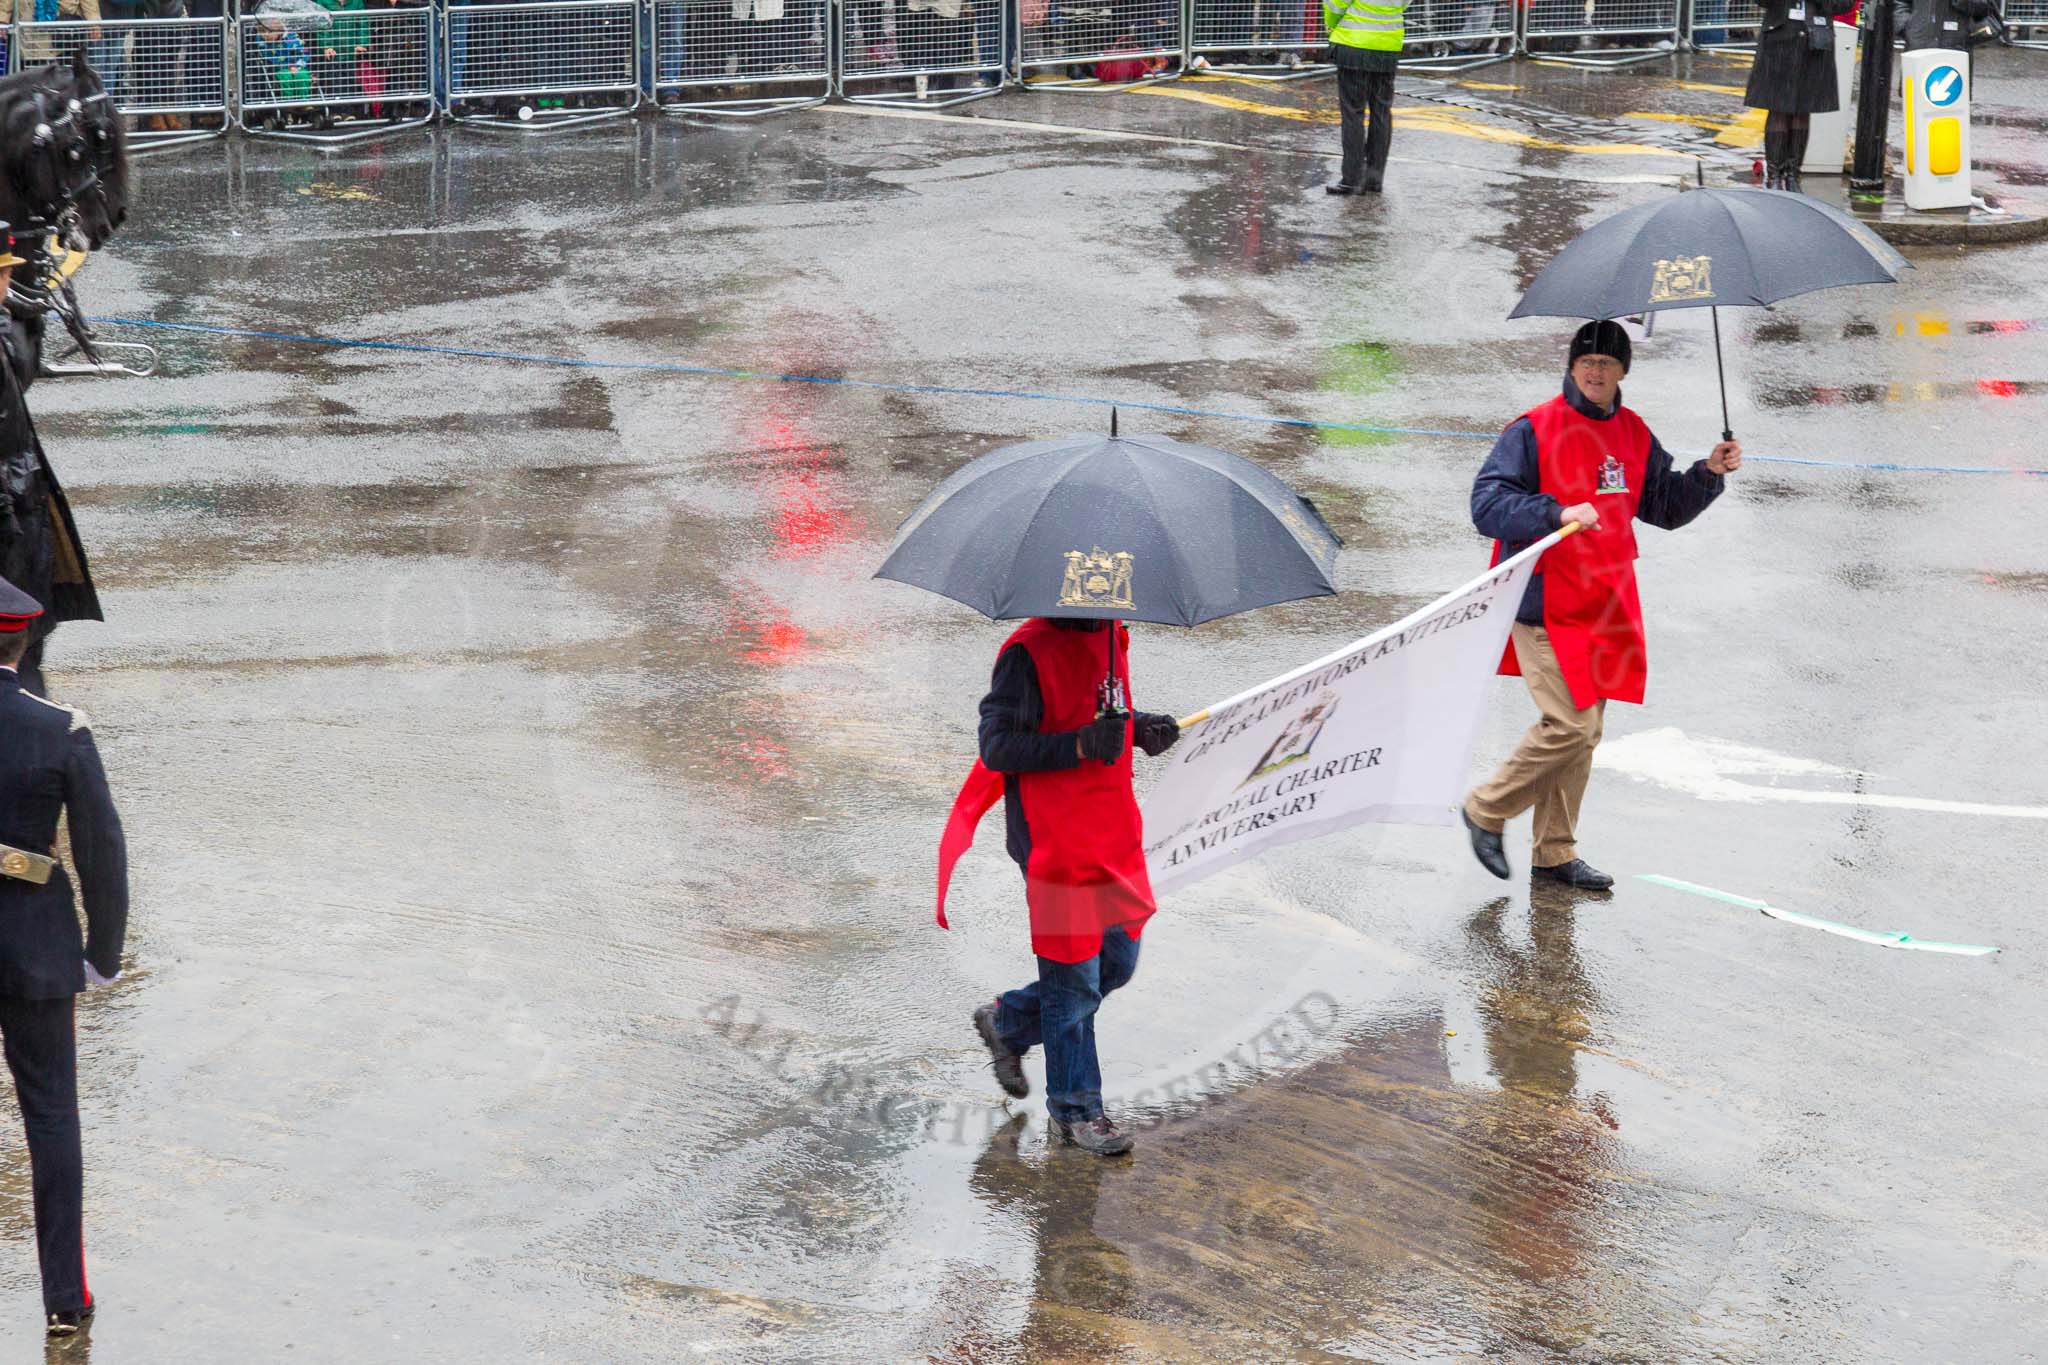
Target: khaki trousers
{"type": "Point", "coordinates": [1548, 770]}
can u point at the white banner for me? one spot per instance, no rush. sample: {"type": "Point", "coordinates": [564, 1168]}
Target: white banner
{"type": "Point", "coordinates": [1379, 731]}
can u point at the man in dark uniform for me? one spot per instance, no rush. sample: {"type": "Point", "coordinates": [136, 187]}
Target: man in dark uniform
{"type": "Point", "coordinates": [1938, 23]}
{"type": "Point", "coordinates": [1055, 748]}
{"type": "Point", "coordinates": [49, 766]}
{"type": "Point", "coordinates": [40, 552]}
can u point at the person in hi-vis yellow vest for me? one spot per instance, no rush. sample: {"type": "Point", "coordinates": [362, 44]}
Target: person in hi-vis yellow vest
{"type": "Point", "coordinates": [1365, 44]}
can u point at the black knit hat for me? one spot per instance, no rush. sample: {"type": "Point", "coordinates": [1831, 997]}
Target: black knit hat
{"type": "Point", "coordinates": [1600, 338]}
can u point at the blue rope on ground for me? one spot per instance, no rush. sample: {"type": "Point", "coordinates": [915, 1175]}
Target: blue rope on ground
{"type": "Point", "coordinates": [949, 391]}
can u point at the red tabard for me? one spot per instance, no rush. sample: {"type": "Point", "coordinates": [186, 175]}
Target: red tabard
{"type": "Point", "coordinates": [1087, 868]}
{"type": "Point", "coordinates": [1590, 607]}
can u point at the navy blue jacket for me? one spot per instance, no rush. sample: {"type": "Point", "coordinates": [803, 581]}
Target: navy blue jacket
{"type": "Point", "coordinates": [1508, 504]}
{"type": "Point", "coordinates": [1012, 743]}
{"type": "Point", "coordinates": [49, 764]}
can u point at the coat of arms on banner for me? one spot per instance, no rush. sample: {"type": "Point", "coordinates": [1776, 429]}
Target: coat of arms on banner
{"type": "Point", "coordinates": [1297, 738]}
{"type": "Point", "coordinates": [1682, 280]}
{"type": "Point", "coordinates": [1613, 478]}
{"type": "Point", "coordinates": [1097, 579]}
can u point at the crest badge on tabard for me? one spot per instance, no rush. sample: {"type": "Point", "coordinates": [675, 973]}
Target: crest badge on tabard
{"type": "Point", "coordinates": [1613, 478]}
{"type": "Point", "coordinates": [1685, 279]}
{"type": "Point", "coordinates": [1097, 579]}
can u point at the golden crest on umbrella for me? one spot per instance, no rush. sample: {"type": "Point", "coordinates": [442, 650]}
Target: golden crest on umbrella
{"type": "Point", "coordinates": [1683, 280]}
{"type": "Point", "coordinates": [1097, 579]}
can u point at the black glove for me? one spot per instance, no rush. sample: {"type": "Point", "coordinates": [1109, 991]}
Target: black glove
{"type": "Point", "coordinates": [1104, 739]}
{"type": "Point", "coordinates": [1156, 734]}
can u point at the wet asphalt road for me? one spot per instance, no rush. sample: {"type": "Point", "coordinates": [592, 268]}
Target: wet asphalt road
{"type": "Point", "coordinates": [533, 800]}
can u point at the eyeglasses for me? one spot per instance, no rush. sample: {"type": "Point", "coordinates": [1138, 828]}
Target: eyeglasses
{"type": "Point", "coordinates": [1599, 362]}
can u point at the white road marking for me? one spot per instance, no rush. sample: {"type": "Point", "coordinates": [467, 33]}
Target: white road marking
{"type": "Point", "coordinates": [1883, 938]}
{"type": "Point", "coordinates": [1709, 768]}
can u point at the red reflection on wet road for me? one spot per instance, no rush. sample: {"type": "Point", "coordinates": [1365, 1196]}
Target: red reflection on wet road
{"type": "Point", "coordinates": [1826, 395]}
{"type": "Point", "coordinates": [771, 640]}
{"type": "Point", "coordinates": [808, 511]}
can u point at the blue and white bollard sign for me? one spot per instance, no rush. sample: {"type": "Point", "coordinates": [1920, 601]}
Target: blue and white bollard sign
{"type": "Point", "coordinates": [1936, 83]}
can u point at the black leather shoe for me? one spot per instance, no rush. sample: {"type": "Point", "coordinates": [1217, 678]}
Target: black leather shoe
{"type": "Point", "coordinates": [1369, 187]}
{"type": "Point", "coordinates": [1009, 1066]}
{"type": "Point", "coordinates": [1578, 872]}
{"type": "Point", "coordinates": [1097, 1135]}
{"type": "Point", "coordinates": [1486, 847]}
{"type": "Point", "coordinates": [1339, 187]}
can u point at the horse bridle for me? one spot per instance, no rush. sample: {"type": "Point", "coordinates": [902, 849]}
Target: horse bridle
{"type": "Point", "coordinates": [60, 214]}
{"type": "Point", "coordinates": [38, 286]}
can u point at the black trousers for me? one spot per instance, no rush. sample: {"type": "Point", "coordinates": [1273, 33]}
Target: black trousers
{"type": "Point", "coordinates": [42, 1052]}
{"type": "Point", "coordinates": [1365, 149]}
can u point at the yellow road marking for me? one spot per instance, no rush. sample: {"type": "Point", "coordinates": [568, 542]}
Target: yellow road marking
{"type": "Point", "coordinates": [325, 189]}
{"type": "Point", "coordinates": [1713, 89]}
{"type": "Point", "coordinates": [1426, 119]}
{"type": "Point", "coordinates": [1745, 131]}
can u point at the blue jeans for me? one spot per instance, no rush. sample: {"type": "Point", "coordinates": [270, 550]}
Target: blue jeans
{"type": "Point", "coordinates": [668, 19]}
{"type": "Point", "coordinates": [1708, 18]}
{"type": "Point", "coordinates": [109, 55]}
{"type": "Point", "coordinates": [1058, 1010]}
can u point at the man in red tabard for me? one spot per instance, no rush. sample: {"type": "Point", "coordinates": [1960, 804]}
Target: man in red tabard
{"type": "Point", "coordinates": [1578, 639]}
{"type": "Point", "coordinates": [1063, 770]}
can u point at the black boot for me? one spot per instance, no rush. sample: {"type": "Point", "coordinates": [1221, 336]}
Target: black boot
{"type": "Point", "coordinates": [1795, 157]}
{"type": "Point", "coordinates": [1774, 155]}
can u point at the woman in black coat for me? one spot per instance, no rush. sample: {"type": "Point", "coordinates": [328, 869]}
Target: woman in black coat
{"type": "Point", "coordinates": [1793, 78]}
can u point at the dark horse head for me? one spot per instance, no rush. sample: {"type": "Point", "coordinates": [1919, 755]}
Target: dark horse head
{"type": "Point", "coordinates": [63, 156]}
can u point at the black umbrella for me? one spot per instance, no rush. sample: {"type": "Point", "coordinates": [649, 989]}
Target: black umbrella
{"type": "Point", "coordinates": [1705, 248]}
{"type": "Point", "coordinates": [1134, 528]}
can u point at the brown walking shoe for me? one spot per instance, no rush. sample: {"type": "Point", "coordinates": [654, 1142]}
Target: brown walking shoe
{"type": "Point", "coordinates": [1097, 1135]}
{"type": "Point", "coordinates": [1008, 1065]}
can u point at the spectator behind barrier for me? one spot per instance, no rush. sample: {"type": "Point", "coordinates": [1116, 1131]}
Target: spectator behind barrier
{"type": "Point", "coordinates": [39, 47]}
{"type": "Point", "coordinates": [159, 53]}
{"type": "Point", "coordinates": [341, 48]}
{"type": "Point", "coordinates": [397, 56]}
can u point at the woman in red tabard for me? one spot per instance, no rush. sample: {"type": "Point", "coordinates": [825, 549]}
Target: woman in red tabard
{"type": "Point", "coordinates": [1578, 639]}
{"type": "Point", "coordinates": [1063, 771]}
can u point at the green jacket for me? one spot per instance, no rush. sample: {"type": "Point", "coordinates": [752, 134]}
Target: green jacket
{"type": "Point", "coordinates": [1368, 24]}
{"type": "Point", "coordinates": [349, 31]}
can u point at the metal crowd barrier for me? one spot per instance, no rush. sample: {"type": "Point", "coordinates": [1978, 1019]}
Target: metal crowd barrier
{"type": "Point", "coordinates": [2031, 15]}
{"type": "Point", "coordinates": [959, 42]}
{"type": "Point", "coordinates": [372, 68]}
{"type": "Point", "coordinates": [1648, 29]}
{"type": "Point", "coordinates": [740, 58]}
{"type": "Point", "coordinates": [1739, 22]}
{"type": "Point", "coordinates": [533, 66]}
{"type": "Point", "coordinates": [1098, 44]}
{"type": "Point", "coordinates": [1458, 35]}
{"type": "Point", "coordinates": [169, 74]}
{"type": "Point", "coordinates": [1265, 39]}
